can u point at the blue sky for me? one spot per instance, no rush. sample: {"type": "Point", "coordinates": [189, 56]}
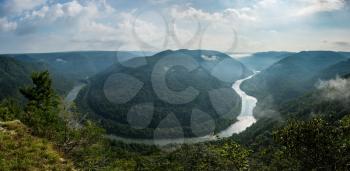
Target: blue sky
{"type": "Point", "coordinates": [154, 25]}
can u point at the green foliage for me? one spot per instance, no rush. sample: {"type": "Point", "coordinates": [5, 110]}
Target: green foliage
{"type": "Point", "coordinates": [9, 110]}
{"type": "Point", "coordinates": [41, 111]}
{"type": "Point", "coordinates": [41, 95]}
{"type": "Point", "coordinates": [224, 156]}
{"type": "Point", "coordinates": [316, 144]}
{"type": "Point", "coordinates": [21, 151]}
{"type": "Point", "coordinates": [86, 146]}
{"type": "Point", "coordinates": [272, 158]}
{"type": "Point", "coordinates": [46, 117]}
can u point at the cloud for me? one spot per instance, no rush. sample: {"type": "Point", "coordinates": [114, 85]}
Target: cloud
{"type": "Point", "coordinates": [342, 43]}
{"type": "Point", "coordinates": [316, 6]}
{"type": "Point", "coordinates": [90, 25]}
{"type": "Point", "coordinates": [246, 26]}
{"type": "Point", "coordinates": [94, 33]}
{"type": "Point", "coordinates": [56, 11]}
{"type": "Point", "coordinates": [6, 25]}
{"type": "Point", "coordinates": [336, 89]}
{"type": "Point", "coordinates": [226, 16]}
{"type": "Point", "coordinates": [19, 6]}
{"type": "Point", "coordinates": [59, 16]}
{"type": "Point", "coordinates": [267, 3]}
{"type": "Point", "coordinates": [158, 1]}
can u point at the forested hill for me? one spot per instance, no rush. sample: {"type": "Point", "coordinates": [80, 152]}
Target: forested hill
{"type": "Point", "coordinates": [208, 75]}
{"type": "Point", "coordinates": [290, 78]}
{"type": "Point", "coordinates": [339, 69]}
{"type": "Point", "coordinates": [15, 74]}
{"type": "Point", "coordinates": [311, 125]}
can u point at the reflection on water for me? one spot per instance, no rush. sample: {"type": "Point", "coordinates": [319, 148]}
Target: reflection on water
{"type": "Point", "coordinates": [245, 118]}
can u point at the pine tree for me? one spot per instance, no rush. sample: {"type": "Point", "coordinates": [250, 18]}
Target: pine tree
{"type": "Point", "coordinates": [41, 111]}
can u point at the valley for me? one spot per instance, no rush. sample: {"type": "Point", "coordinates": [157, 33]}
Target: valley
{"type": "Point", "coordinates": [183, 84]}
{"type": "Point", "coordinates": [166, 85]}
{"type": "Point", "coordinates": [123, 116]}
{"type": "Point", "coordinates": [244, 120]}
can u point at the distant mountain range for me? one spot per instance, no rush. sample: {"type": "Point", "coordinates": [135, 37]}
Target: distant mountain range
{"type": "Point", "coordinates": [78, 65]}
{"type": "Point", "coordinates": [262, 60]}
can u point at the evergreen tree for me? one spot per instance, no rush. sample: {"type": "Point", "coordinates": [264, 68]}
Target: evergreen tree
{"type": "Point", "coordinates": [41, 111]}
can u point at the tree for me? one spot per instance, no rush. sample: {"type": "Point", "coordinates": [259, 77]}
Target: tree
{"type": "Point", "coordinates": [316, 144]}
{"type": "Point", "coordinates": [41, 111]}
{"type": "Point", "coordinates": [233, 155]}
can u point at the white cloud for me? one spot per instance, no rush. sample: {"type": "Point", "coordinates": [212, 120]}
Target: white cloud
{"type": "Point", "coordinates": [262, 25]}
{"type": "Point", "coordinates": [336, 89]}
{"type": "Point", "coordinates": [19, 6]}
{"type": "Point", "coordinates": [6, 25]}
{"type": "Point", "coordinates": [65, 10]}
{"type": "Point", "coordinates": [228, 15]}
{"type": "Point", "coordinates": [314, 6]}
{"type": "Point", "coordinates": [267, 3]}
{"type": "Point", "coordinates": [93, 32]}
{"type": "Point", "coordinates": [72, 8]}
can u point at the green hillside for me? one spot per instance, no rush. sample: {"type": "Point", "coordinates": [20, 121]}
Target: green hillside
{"type": "Point", "coordinates": [339, 69]}
{"type": "Point", "coordinates": [15, 74]}
{"type": "Point", "coordinates": [212, 101]}
{"type": "Point", "coordinates": [308, 132]}
{"type": "Point", "coordinates": [288, 79]}
{"type": "Point", "coordinates": [19, 150]}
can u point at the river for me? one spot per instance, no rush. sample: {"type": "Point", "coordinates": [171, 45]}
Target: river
{"type": "Point", "coordinates": [72, 95]}
{"type": "Point", "coordinates": [245, 120]}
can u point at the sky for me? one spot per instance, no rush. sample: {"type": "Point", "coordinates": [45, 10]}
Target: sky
{"type": "Point", "coordinates": [232, 26]}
